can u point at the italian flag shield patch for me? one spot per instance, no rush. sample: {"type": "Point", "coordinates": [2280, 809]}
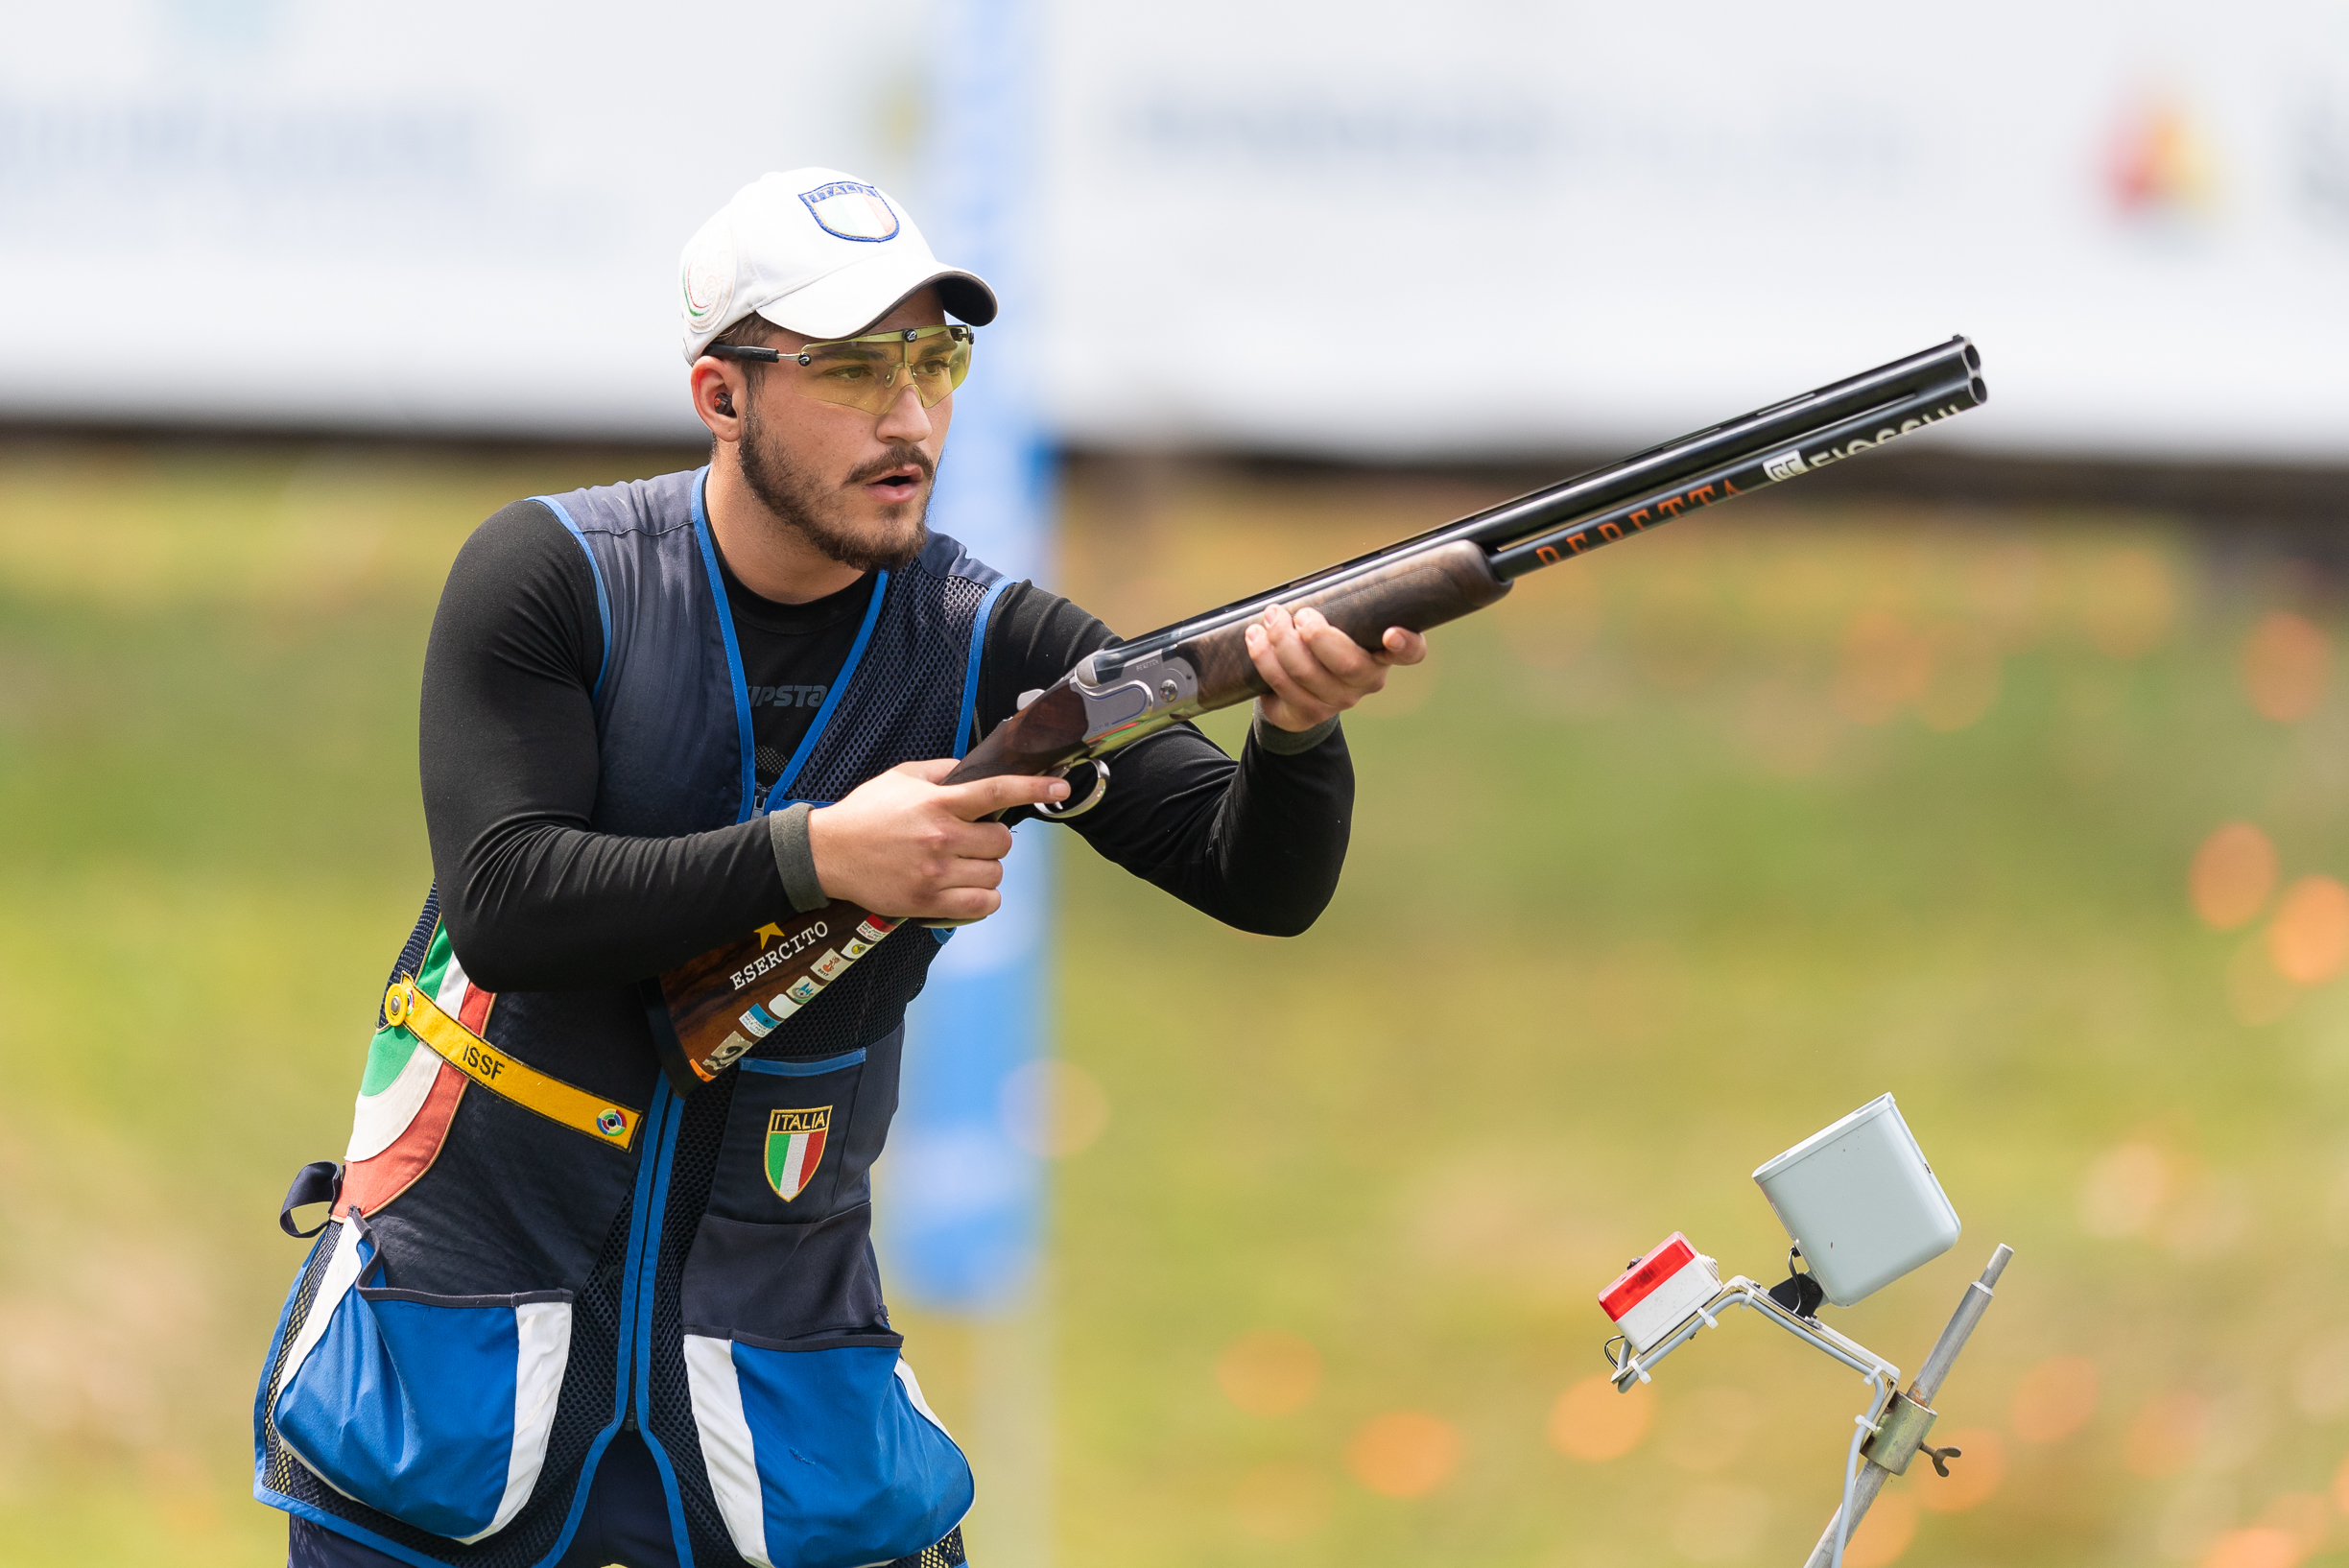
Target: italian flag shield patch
{"type": "Point", "coordinates": [795, 1148]}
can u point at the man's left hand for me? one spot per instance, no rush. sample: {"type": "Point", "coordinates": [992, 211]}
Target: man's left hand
{"type": "Point", "coordinates": [1315, 671]}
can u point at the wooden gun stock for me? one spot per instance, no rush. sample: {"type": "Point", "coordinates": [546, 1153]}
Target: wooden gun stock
{"type": "Point", "coordinates": [1415, 592]}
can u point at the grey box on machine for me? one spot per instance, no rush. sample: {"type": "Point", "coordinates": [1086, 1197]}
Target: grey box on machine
{"type": "Point", "coordinates": [1861, 1201]}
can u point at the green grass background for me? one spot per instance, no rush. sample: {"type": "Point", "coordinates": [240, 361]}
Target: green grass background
{"type": "Point", "coordinates": [1636, 899]}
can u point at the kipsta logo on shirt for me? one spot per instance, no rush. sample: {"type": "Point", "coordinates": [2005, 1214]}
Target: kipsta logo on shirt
{"type": "Point", "coordinates": [851, 211]}
{"type": "Point", "coordinates": [795, 1148]}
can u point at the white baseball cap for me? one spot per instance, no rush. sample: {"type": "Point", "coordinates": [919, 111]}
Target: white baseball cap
{"type": "Point", "coordinates": [815, 251]}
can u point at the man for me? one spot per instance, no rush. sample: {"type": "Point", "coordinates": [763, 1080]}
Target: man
{"type": "Point", "coordinates": [557, 1313]}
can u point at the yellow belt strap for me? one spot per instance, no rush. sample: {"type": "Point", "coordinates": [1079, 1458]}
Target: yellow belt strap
{"type": "Point", "coordinates": [407, 1006]}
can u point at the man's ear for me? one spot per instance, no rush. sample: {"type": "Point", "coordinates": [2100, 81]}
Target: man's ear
{"type": "Point", "coordinates": [720, 392]}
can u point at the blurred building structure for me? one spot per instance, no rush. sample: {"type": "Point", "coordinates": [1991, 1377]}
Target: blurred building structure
{"type": "Point", "coordinates": [1490, 228]}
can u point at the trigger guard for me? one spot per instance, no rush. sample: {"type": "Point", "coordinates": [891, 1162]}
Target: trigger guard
{"type": "Point", "coordinates": [1100, 788]}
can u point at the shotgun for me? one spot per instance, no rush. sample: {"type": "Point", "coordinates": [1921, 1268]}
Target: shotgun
{"type": "Point", "coordinates": [713, 1008]}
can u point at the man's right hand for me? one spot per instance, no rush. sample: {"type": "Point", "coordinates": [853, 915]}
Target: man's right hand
{"type": "Point", "coordinates": [905, 845]}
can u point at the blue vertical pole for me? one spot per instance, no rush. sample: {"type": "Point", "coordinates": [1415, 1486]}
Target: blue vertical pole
{"type": "Point", "coordinates": [965, 1226]}
{"type": "Point", "coordinates": [965, 1220]}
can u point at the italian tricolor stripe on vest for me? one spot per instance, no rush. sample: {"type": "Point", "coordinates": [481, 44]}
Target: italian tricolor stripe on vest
{"type": "Point", "coordinates": [795, 1148]}
{"type": "Point", "coordinates": [409, 1094]}
{"type": "Point", "coordinates": [444, 980]}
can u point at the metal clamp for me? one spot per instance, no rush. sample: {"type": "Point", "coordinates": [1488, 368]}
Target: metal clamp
{"type": "Point", "coordinates": [1901, 1435]}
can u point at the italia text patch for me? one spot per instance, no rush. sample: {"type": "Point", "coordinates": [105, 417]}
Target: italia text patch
{"type": "Point", "coordinates": [795, 1148]}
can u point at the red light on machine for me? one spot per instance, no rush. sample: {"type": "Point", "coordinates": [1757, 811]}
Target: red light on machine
{"type": "Point", "coordinates": [1658, 1292]}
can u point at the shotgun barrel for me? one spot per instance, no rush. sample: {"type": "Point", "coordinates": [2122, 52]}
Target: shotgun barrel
{"type": "Point", "coordinates": [1131, 689]}
{"type": "Point", "coordinates": [1946, 373]}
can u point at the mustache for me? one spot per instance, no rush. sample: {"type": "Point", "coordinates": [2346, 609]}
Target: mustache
{"type": "Point", "coordinates": [900, 456]}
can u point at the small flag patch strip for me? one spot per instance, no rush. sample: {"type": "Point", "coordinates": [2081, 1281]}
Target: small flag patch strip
{"type": "Point", "coordinates": [715, 1002]}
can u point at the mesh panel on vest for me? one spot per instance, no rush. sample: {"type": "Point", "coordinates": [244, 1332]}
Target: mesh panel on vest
{"type": "Point", "coordinates": [585, 1410]}
{"type": "Point", "coordinates": [895, 690]}
{"type": "Point", "coordinates": [946, 1554]}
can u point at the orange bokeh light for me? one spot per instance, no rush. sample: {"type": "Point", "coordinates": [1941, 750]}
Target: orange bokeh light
{"type": "Point", "coordinates": [2258, 1547]}
{"type": "Point", "coordinates": [1973, 1475]}
{"type": "Point", "coordinates": [1404, 1453]}
{"type": "Point", "coordinates": [2167, 1434]}
{"type": "Point", "coordinates": [1884, 1535]}
{"type": "Point", "coordinates": [2309, 938]}
{"type": "Point", "coordinates": [2285, 663]}
{"type": "Point", "coordinates": [1268, 1372]}
{"type": "Point", "coordinates": [2302, 1515]}
{"type": "Point", "coordinates": [2340, 1486]}
{"type": "Point", "coordinates": [2232, 874]}
{"type": "Point", "coordinates": [1592, 1423]}
{"type": "Point", "coordinates": [2054, 1399]}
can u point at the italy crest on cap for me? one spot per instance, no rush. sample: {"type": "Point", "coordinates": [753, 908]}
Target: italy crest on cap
{"type": "Point", "coordinates": [851, 211]}
{"type": "Point", "coordinates": [795, 1148]}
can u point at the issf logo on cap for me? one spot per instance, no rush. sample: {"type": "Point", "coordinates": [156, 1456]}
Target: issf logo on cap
{"type": "Point", "coordinates": [851, 211]}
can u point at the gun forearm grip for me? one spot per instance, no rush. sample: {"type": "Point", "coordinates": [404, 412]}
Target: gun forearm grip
{"type": "Point", "coordinates": [1415, 592]}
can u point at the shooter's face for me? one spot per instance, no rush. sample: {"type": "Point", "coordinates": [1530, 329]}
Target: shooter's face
{"type": "Point", "coordinates": [855, 481]}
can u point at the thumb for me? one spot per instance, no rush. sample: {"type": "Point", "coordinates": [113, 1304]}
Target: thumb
{"type": "Point", "coordinates": [929, 770]}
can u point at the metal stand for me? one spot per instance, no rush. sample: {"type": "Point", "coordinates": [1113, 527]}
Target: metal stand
{"type": "Point", "coordinates": [1891, 1431]}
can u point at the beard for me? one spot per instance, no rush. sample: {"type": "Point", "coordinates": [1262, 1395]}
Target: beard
{"type": "Point", "coordinates": [815, 511]}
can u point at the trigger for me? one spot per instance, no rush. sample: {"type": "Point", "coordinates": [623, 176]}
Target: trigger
{"type": "Point", "coordinates": [1100, 787]}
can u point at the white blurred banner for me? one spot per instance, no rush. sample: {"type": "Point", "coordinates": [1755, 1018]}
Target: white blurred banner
{"type": "Point", "coordinates": [1497, 227]}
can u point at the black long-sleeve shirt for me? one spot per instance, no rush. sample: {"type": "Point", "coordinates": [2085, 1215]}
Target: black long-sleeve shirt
{"type": "Point", "coordinates": [535, 900]}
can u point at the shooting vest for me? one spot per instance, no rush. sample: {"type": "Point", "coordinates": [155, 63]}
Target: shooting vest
{"type": "Point", "coordinates": [535, 1244]}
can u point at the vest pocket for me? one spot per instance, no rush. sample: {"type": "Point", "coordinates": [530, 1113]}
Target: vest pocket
{"type": "Point", "coordinates": [433, 1409]}
{"type": "Point", "coordinates": [820, 1449]}
{"type": "Point", "coordinates": [799, 1139]}
{"type": "Point", "coordinates": [823, 1446]}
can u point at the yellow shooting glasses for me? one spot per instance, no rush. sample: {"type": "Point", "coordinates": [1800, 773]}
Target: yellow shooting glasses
{"type": "Point", "coordinates": [871, 373]}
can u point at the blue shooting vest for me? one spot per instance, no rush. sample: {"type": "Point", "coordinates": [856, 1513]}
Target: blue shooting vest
{"type": "Point", "coordinates": [498, 1293]}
